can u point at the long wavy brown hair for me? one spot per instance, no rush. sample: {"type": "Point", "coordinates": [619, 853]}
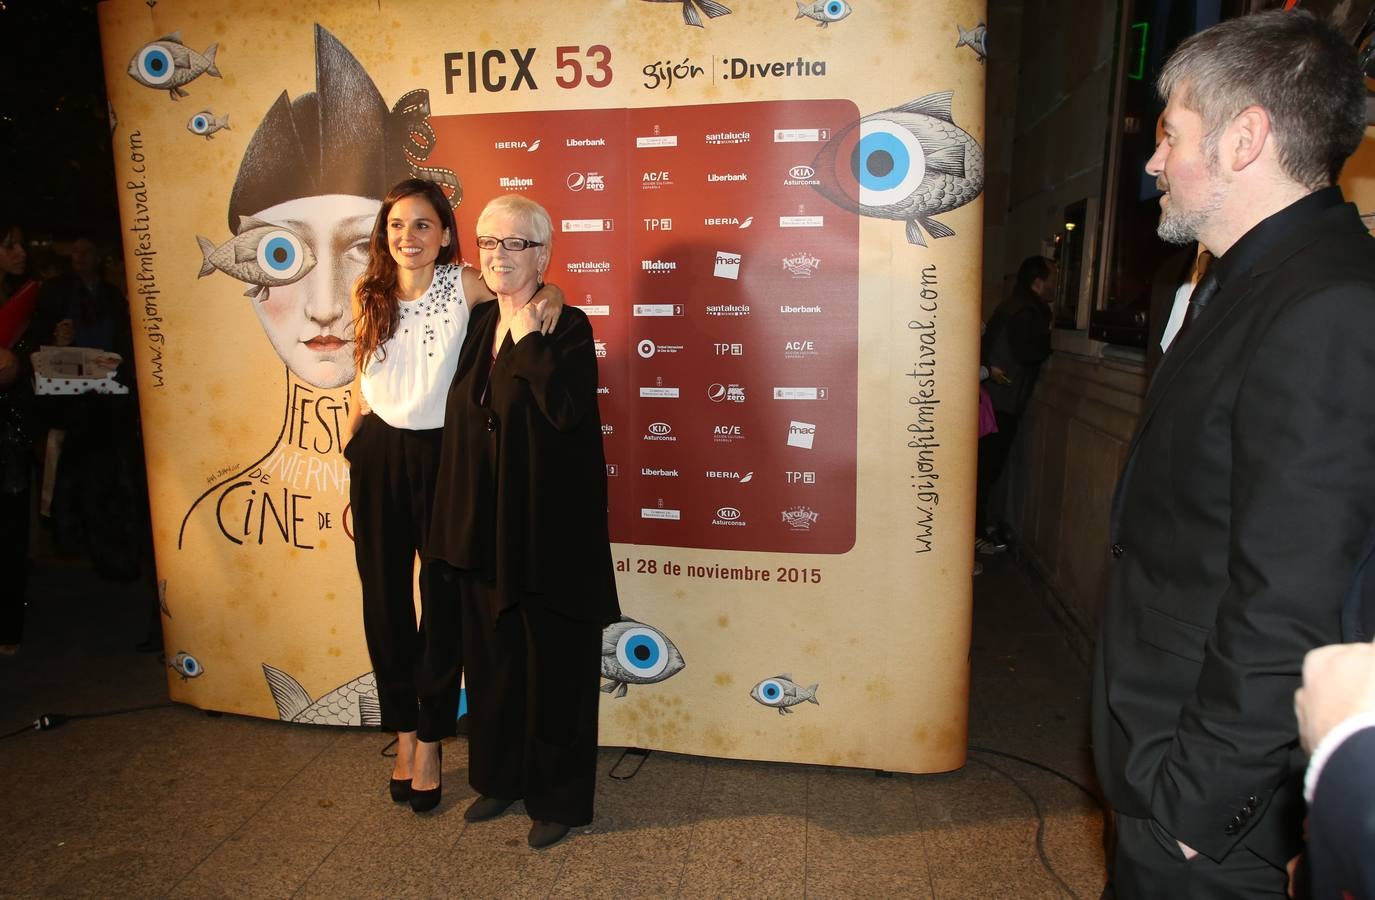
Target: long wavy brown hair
{"type": "Point", "coordinates": [378, 307]}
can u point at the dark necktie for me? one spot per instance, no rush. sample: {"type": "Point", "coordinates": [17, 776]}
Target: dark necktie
{"type": "Point", "coordinates": [1205, 288]}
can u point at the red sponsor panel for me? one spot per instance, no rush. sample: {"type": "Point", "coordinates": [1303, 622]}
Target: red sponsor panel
{"type": "Point", "coordinates": [722, 289]}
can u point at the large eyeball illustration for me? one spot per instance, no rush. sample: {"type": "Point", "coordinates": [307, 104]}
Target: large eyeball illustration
{"type": "Point", "coordinates": [770, 692]}
{"type": "Point", "coordinates": [154, 65]}
{"type": "Point", "coordinates": [643, 652]}
{"type": "Point", "coordinates": [282, 256]}
{"type": "Point", "coordinates": [635, 653]}
{"type": "Point", "coordinates": [200, 123]}
{"type": "Point", "coordinates": [878, 163]}
{"type": "Point", "coordinates": [835, 10]}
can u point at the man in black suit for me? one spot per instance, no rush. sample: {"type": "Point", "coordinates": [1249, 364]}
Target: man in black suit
{"type": "Point", "coordinates": [1336, 713]}
{"type": "Point", "coordinates": [1249, 488]}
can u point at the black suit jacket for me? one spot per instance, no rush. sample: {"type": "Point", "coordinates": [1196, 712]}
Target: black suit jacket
{"type": "Point", "coordinates": [521, 493]}
{"type": "Point", "coordinates": [1246, 500]}
{"type": "Point", "coordinates": [1341, 823]}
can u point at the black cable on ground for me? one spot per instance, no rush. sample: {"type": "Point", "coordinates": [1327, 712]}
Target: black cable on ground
{"type": "Point", "coordinates": [1040, 829]}
{"type": "Point", "coordinates": [49, 721]}
{"type": "Point", "coordinates": [1044, 768]}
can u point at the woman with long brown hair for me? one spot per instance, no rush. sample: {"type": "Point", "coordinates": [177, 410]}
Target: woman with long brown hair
{"type": "Point", "coordinates": [410, 315]}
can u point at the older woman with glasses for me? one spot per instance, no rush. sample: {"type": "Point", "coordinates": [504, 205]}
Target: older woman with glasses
{"type": "Point", "coordinates": [520, 521]}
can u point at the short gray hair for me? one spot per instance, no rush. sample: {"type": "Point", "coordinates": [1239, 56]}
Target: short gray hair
{"type": "Point", "coordinates": [535, 217]}
{"type": "Point", "coordinates": [1297, 68]}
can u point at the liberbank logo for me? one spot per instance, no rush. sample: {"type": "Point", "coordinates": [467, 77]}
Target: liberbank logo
{"type": "Point", "coordinates": [716, 177]}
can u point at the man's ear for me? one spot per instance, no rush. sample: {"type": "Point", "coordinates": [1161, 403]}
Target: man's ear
{"type": "Point", "coordinates": [1245, 138]}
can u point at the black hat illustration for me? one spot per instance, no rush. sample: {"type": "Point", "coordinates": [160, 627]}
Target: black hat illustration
{"type": "Point", "coordinates": [338, 139]}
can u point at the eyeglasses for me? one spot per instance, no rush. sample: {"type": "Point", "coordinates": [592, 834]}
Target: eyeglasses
{"type": "Point", "coordinates": [487, 242]}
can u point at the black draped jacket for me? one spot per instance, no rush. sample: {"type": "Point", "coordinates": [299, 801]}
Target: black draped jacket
{"type": "Point", "coordinates": [521, 493]}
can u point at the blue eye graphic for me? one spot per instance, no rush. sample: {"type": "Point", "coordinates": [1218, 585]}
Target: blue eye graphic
{"type": "Point", "coordinates": [635, 653]}
{"type": "Point", "coordinates": [185, 665]}
{"type": "Point", "coordinates": [909, 163]}
{"type": "Point", "coordinates": [642, 652]}
{"type": "Point", "coordinates": [836, 10]}
{"type": "Point", "coordinates": [262, 254]}
{"type": "Point", "coordinates": [886, 163]}
{"type": "Point", "coordinates": [199, 124]}
{"type": "Point", "coordinates": [155, 65]}
{"type": "Point", "coordinates": [280, 255]}
{"type": "Point", "coordinates": [781, 693]}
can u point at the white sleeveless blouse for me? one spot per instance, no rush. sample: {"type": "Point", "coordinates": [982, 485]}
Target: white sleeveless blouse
{"type": "Point", "coordinates": [409, 384]}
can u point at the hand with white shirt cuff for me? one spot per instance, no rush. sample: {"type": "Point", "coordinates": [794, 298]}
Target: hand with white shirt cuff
{"type": "Point", "coordinates": [1337, 700]}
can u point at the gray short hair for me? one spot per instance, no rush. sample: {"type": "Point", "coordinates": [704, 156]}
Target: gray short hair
{"type": "Point", "coordinates": [1297, 68]}
{"type": "Point", "coordinates": [535, 217]}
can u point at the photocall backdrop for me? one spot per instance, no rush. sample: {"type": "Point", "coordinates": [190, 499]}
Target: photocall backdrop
{"type": "Point", "coordinates": [770, 209]}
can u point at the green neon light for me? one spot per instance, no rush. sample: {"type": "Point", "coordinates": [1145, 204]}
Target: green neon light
{"type": "Point", "coordinates": [1141, 29]}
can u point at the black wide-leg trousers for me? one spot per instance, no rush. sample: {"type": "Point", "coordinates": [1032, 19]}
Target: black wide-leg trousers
{"type": "Point", "coordinates": [533, 680]}
{"type": "Point", "coordinates": [391, 491]}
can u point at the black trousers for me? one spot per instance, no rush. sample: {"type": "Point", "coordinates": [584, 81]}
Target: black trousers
{"type": "Point", "coordinates": [391, 491]}
{"type": "Point", "coordinates": [1147, 864]}
{"type": "Point", "coordinates": [533, 680]}
{"type": "Point", "coordinates": [993, 452]}
{"type": "Point", "coordinates": [15, 516]}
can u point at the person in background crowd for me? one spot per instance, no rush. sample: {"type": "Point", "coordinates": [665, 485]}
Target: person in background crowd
{"type": "Point", "coordinates": [1015, 343]}
{"type": "Point", "coordinates": [411, 308]}
{"type": "Point", "coordinates": [18, 297]}
{"type": "Point", "coordinates": [520, 513]}
{"type": "Point", "coordinates": [1247, 493]}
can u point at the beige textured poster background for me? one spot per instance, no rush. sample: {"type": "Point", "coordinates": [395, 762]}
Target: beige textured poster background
{"type": "Point", "coordinates": [884, 634]}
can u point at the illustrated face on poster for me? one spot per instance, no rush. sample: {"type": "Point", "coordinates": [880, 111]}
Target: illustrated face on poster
{"type": "Point", "coordinates": [308, 320]}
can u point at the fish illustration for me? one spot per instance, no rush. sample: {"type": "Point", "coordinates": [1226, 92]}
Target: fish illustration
{"type": "Point", "coordinates": [206, 123]}
{"type": "Point", "coordinates": [781, 692]}
{"type": "Point", "coordinates": [975, 39]}
{"type": "Point", "coordinates": [911, 162]}
{"type": "Point", "coordinates": [636, 653]}
{"type": "Point", "coordinates": [167, 64]}
{"type": "Point", "coordinates": [824, 11]}
{"type": "Point", "coordinates": [353, 703]}
{"type": "Point", "coordinates": [690, 16]}
{"type": "Point", "coordinates": [186, 665]}
{"type": "Point", "coordinates": [262, 255]}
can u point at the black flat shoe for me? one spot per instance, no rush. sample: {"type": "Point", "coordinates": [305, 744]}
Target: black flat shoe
{"type": "Point", "coordinates": [545, 834]}
{"type": "Point", "coordinates": [424, 801]}
{"type": "Point", "coordinates": [484, 808]}
{"type": "Point", "coordinates": [400, 790]}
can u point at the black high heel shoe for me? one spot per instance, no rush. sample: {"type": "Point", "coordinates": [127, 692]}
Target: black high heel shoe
{"type": "Point", "coordinates": [400, 790]}
{"type": "Point", "coordinates": [424, 801]}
